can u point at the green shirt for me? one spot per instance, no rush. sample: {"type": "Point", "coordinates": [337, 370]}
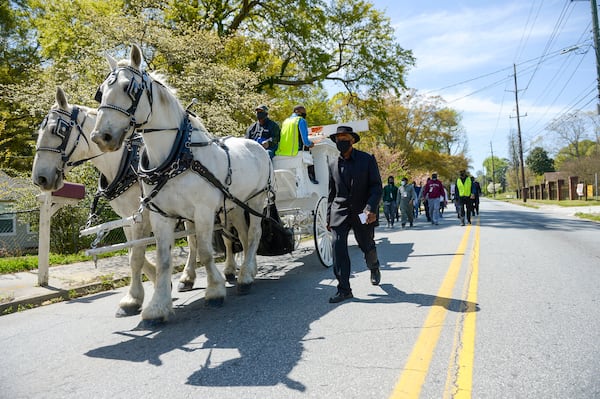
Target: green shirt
{"type": "Point", "coordinates": [389, 193]}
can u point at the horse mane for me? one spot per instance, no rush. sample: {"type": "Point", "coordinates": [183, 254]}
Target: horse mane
{"type": "Point", "coordinates": [163, 88]}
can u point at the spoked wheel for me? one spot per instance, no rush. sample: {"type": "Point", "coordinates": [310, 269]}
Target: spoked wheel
{"type": "Point", "coordinates": [323, 237]}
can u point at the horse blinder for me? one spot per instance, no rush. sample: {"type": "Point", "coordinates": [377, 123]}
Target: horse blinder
{"type": "Point", "coordinates": [98, 95]}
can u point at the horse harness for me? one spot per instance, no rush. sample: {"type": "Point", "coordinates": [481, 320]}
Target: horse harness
{"type": "Point", "coordinates": [180, 160]}
{"type": "Point", "coordinates": [126, 175]}
{"type": "Point", "coordinates": [63, 130]}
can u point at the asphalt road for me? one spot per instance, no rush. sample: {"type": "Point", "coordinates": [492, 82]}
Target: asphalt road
{"type": "Point", "coordinates": [505, 308]}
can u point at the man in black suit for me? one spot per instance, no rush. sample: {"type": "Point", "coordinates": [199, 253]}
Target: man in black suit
{"type": "Point", "coordinates": [354, 194]}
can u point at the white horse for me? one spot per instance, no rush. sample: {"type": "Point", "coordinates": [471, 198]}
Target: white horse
{"type": "Point", "coordinates": [63, 143]}
{"type": "Point", "coordinates": [187, 174]}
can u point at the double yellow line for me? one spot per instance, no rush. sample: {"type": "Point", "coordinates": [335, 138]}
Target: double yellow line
{"type": "Point", "coordinates": [460, 371]}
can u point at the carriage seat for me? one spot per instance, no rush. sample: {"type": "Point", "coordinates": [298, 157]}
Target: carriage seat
{"type": "Point", "coordinates": [292, 162]}
{"type": "Point", "coordinates": [291, 174]}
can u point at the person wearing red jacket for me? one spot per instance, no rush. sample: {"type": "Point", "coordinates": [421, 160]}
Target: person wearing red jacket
{"type": "Point", "coordinates": [433, 193]}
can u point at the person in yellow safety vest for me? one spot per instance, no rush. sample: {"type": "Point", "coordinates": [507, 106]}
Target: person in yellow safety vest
{"type": "Point", "coordinates": [464, 187]}
{"type": "Point", "coordinates": [294, 137]}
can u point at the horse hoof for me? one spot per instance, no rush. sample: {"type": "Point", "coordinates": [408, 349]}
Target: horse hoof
{"type": "Point", "coordinates": [230, 277]}
{"type": "Point", "coordinates": [214, 302]}
{"type": "Point", "coordinates": [243, 289]}
{"type": "Point", "coordinates": [128, 311]}
{"type": "Point", "coordinates": [185, 286]}
{"type": "Point", "coordinates": [151, 324]}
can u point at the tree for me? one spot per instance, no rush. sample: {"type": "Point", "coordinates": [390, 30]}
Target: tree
{"type": "Point", "coordinates": [570, 131]}
{"type": "Point", "coordinates": [538, 161]}
{"type": "Point", "coordinates": [496, 169]}
{"type": "Point", "coordinates": [18, 65]}
{"type": "Point", "coordinates": [421, 129]}
{"type": "Point", "coordinates": [296, 43]}
{"type": "Point", "coordinates": [231, 55]}
{"type": "Point", "coordinates": [585, 148]}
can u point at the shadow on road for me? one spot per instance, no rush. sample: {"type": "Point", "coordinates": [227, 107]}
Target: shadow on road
{"type": "Point", "coordinates": [258, 339]}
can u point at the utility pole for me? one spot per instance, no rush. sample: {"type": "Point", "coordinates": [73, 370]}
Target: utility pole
{"type": "Point", "coordinates": [493, 172]}
{"type": "Point", "coordinates": [523, 187]}
{"type": "Point", "coordinates": [596, 35]}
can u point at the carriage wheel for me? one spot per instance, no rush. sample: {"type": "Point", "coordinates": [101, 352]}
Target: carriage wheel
{"type": "Point", "coordinates": [323, 237]}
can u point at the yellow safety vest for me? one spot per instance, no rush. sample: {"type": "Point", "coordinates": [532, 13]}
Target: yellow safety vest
{"type": "Point", "coordinates": [464, 189]}
{"type": "Point", "coordinates": [288, 140]}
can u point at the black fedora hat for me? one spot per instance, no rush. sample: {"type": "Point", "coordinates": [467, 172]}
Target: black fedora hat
{"type": "Point", "coordinates": [345, 129]}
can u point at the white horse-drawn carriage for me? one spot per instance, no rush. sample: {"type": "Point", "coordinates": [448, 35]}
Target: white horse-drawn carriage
{"type": "Point", "coordinates": [186, 175]}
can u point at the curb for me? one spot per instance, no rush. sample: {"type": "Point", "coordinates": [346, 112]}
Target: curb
{"type": "Point", "coordinates": [59, 295]}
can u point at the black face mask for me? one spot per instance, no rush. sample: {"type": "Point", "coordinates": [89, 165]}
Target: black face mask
{"type": "Point", "coordinates": [303, 114]}
{"type": "Point", "coordinates": [343, 146]}
{"type": "Point", "coordinates": [261, 115]}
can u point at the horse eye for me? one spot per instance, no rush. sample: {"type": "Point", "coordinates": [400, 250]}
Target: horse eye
{"type": "Point", "coordinates": [112, 78]}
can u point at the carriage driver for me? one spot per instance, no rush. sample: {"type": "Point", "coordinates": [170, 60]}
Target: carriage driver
{"type": "Point", "coordinates": [265, 131]}
{"type": "Point", "coordinates": [294, 137]}
{"type": "Point", "coordinates": [354, 194]}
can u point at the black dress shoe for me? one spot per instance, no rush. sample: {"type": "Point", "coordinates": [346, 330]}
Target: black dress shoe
{"type": "Point", "coordinates": [339, 297]}
{"type": "Point", "coordinates": [375, 276]}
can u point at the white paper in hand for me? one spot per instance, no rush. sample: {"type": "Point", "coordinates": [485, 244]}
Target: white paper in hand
{"type": "Point", "coordinates": [363, 218]}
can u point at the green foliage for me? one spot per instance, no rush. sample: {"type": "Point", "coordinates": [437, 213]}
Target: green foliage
{"type": "Point", "coordinates": [231, 56]}
{"type": "Point", "coordinates": [499, 167]}
{"type": "Point", "coordinates": [584, 148]}
{"type": "Point", "coordinates": [309, 41]}
{"type": "Point", "coordinates": [538, 161]}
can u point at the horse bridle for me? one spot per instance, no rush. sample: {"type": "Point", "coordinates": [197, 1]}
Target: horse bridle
{"type": "Point", "coordinates": [63, 130]}
{"type": "Point", "coordinates": [134, 90]}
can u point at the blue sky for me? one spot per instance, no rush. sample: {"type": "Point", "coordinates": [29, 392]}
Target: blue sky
{"type": "Point", "coordinates": [465, 51]}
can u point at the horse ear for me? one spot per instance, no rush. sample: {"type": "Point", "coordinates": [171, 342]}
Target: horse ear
{"type": "Point", "coordinates": [136, 57]}
{"type": "Point", "coordinates": [61, 98]}
{"type": "Point", "coordinates": [111, 62]}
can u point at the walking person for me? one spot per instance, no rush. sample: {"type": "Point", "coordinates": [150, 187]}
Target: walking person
{"type": "Point", "coordinates": [477, 194]}
{"type": "Point", "coordinates": [454, 199]}
{"type": "Point", "coordinates": [423, 198]}
{"type": "Point", "coordinates": [417, 203]}
{"type": "Point", "coordinates": [354, 194]}
{"type": "Point", "coordinates": [390, 208]}
{"type": "Point", "coordinates": [406, 198]}
{"type": "Point", "coordinates": [434, 190]}
{"type": "Point", "coordinates": [464, 187]}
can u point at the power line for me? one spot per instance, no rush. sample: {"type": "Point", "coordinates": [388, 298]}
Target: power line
{"type": "Point", "coordinates": [558, 26]}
